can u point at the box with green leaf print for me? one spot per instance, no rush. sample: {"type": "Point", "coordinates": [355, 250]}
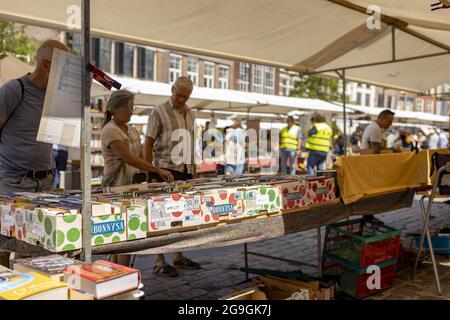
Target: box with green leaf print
{"type": "Point", "coordinates": [261, 199]}
{"type": "Point", "coordinates": [108, 229]}
{"type": "Point", "coordinates": [57, 230]}
{"type": "Point", "coordinates": [136, 222]}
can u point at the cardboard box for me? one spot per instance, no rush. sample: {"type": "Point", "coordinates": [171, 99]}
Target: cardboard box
{"type": "Point", "coordinates": [23, 218]}
{"type": "Point", "coordinates": [321, 189]}
{"type": "Point", "coordinates": [277, 288]}
{"type": "Point", "coordinates": [7, 220]}
{"type": "Point", "coordinates": [58, 230]}
{"type": "Point", "coordinates": [261, 199]}
{"type": "Point", "coordinates": [165, 212]}
{"type": "Point", "coordinates": [107, 229]}
{"type": "Point", "coordinates": [224, 203]}
{"type": "Point", "coordinates": [294, 194]}
{"type": "Point", "coordinates": [252, 293]}
{"type": "Point", "coordinates": [136, 222]}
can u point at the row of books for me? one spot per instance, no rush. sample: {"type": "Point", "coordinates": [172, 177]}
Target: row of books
{"type": "Point", "coordinates": [58, 278]}
{"type": "Point", "coordinates": [137, 211]}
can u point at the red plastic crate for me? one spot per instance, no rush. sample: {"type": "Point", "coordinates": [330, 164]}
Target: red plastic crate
{"type": "Point", "coordinates": [362, 243]}
{"type": "Point", "coordinates": [355, 284]}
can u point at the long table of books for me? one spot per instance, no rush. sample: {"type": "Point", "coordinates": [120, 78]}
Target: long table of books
{"type": "Point", "coordinates": [190, 215]}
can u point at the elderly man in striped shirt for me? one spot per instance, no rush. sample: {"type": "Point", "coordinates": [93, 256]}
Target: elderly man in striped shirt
{"type": "Point", "coordinates": [169, 123]}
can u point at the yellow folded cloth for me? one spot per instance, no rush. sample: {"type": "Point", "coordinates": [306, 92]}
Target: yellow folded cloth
{"type": "Point", "coordinates": [360, 176]}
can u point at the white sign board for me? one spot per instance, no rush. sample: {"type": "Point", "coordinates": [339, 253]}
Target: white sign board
{"type": "Point", "coordinates": [61, 116]}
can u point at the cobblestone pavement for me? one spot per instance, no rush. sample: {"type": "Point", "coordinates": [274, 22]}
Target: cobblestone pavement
{"type": "Point", "coordinates": [220, 267]}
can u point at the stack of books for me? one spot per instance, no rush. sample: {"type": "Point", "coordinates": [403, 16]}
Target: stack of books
{"type": "Point", "coordinates": [103, 280]}
{"type": "Point", "coordinates": [30, 286]}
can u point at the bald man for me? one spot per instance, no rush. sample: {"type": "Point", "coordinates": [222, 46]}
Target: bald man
{"type": "Point", "coordinates": [25, 164]}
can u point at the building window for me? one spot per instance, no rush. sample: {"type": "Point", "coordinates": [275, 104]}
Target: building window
{"type": "Point", "coordinates": [367, 100]}
{"type": "Point", "coordinates": [358, 98]}
{"type": "Point", "coordinates": [287, 82]}
{"type": "Point", "coordinates": [284, 85]}
{"type": "Point", "coordinates": [74, 42]}
{"type": "Point", "coordinates": [381, 100]}
{"type": "Point", "coordinates": [269, 75]}
{"type": "Point", "coordinates": [174, 67]}
{"type": "Point", "coordinates": [244, 76]}
{"type": "Point", "coordinates": [209, 75]}
{"type": "Point", "coordinates": [409, 104]}
{"type": "Point", "coordinates": [224, 73]}
{"type": "Point", "coordinates": [419, 105]}
{"type": "Point", "coordinates": [124, 59]}
{"type": "Point", "coordinates": [257, 79]}
{"type": "Point", "coordinates": [429, 108]}
{"type": "Point", "coordinates": [146, 61]}
{"type": "Point", "coordinates": [389, 102]}
{"type": "Point", "coordinates": [192, 70]}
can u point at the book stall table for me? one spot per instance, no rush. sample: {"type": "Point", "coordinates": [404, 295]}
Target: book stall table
{"type": "Point", "coordinates": [243, 232]}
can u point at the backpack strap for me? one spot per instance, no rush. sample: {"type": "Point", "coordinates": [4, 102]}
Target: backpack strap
{"type": "Point", "coordinates": [22, 88]}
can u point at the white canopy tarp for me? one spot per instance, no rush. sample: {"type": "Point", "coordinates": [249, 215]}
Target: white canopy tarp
{"type": "Point", "coordinates": [209, 99]}
{"type": "Point", "coordinates": [419, 117]}
{"type": "Point", "coordinates": [295, 34]}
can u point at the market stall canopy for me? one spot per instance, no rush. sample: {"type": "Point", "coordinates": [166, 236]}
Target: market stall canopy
{"type": "Point", "coordinates": [298, 35]}
{"type": "Point", "coordinates": [418, 117]}
{"type": "Point", "coordinates": [12, 68]}
{"type": "Point", "coordinates": [221, 100]}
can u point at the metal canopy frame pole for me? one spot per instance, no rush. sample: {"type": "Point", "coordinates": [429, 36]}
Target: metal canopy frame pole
{"type": "Point", "coordinates": [86, 132]}
{"type": "Point", "coordinates": [373, 64]}
{"type": "Point", "coordinates": [344, 105]}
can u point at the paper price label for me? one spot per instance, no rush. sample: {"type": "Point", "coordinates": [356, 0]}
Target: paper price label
{"type": "Point", "coordinates": [175, 206]}
{"type": "Point", "coordinates": [8, 220]}
{"type": "Point", "coordinates": [38, 229]}
{"type": "Point", "coordinates": [262, 199]}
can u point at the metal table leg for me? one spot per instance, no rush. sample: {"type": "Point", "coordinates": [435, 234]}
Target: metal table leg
{"type": "Point", "coordinates": [246, 260]}
{"type": "Point", "coordinates": [426, 231]}
{"type": "Point", "coordinates": [319, 252]}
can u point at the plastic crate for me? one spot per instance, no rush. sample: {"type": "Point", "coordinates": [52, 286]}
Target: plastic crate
{"type": "Point", "coordinates": [363, 243]}
{"type": "Point", "coordinates": [354, 282]}
{"type": "Point", "coordinates": [353, 279]}
{"type": "Point", "coordinates": [441, 244]}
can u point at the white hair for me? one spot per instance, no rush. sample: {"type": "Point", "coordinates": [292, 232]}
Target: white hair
{"type": "Point", "coordinates": [184, 82]}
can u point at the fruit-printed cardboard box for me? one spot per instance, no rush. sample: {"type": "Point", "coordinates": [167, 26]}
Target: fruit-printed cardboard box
{"type": "Point", "coordinates": [321, 189]}
{"type": "Point", "coordinates": [108, 229]}
{"type": "Point", "coordinates": [58, 230]}
{"type": "Point", "coordinates": [166, 211]}
{"type": "Point", "coordinates": [225, 203]}
{"type": "Point", "coordinates": [261, 199]}
{"type": "Point", "coordinates": [7, 220]}
{"type": "Point", "coordinates": [294, 194]}
{"type": "Point", "coordinates": [136, 222]}
{"type": "Point", "coordinates": [23, 218]}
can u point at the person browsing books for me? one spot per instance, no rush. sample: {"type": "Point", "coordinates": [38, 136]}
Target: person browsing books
{"type": "Point", "coordinates": [26, 165]}
{"type": "Point", "coordinates": [165, 121]}
{"type": "Point", "coordinates": [121, 148]}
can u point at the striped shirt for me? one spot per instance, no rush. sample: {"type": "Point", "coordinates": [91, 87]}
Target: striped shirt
{"type": "Point", "coordinates": [162, 125]}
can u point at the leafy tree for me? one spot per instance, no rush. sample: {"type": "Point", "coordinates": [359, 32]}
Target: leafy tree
{"type": "Point", "coordinates": [14, 41]}
{"type": "Point", "coordinates": [315, 87]}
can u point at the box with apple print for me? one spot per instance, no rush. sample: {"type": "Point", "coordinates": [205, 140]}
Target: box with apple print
{"type": "Point", "coordinates": [321, 189]}
{"type": "Point", "coordinates": [294, 194]}
{"type": "Point", "coordinates": [166, 211]}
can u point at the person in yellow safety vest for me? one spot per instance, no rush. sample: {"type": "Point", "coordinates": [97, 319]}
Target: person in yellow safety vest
{"type": "Point", "coordinates": [290, 144]}
{"type": "Point", "coordinates": [318, 143]}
